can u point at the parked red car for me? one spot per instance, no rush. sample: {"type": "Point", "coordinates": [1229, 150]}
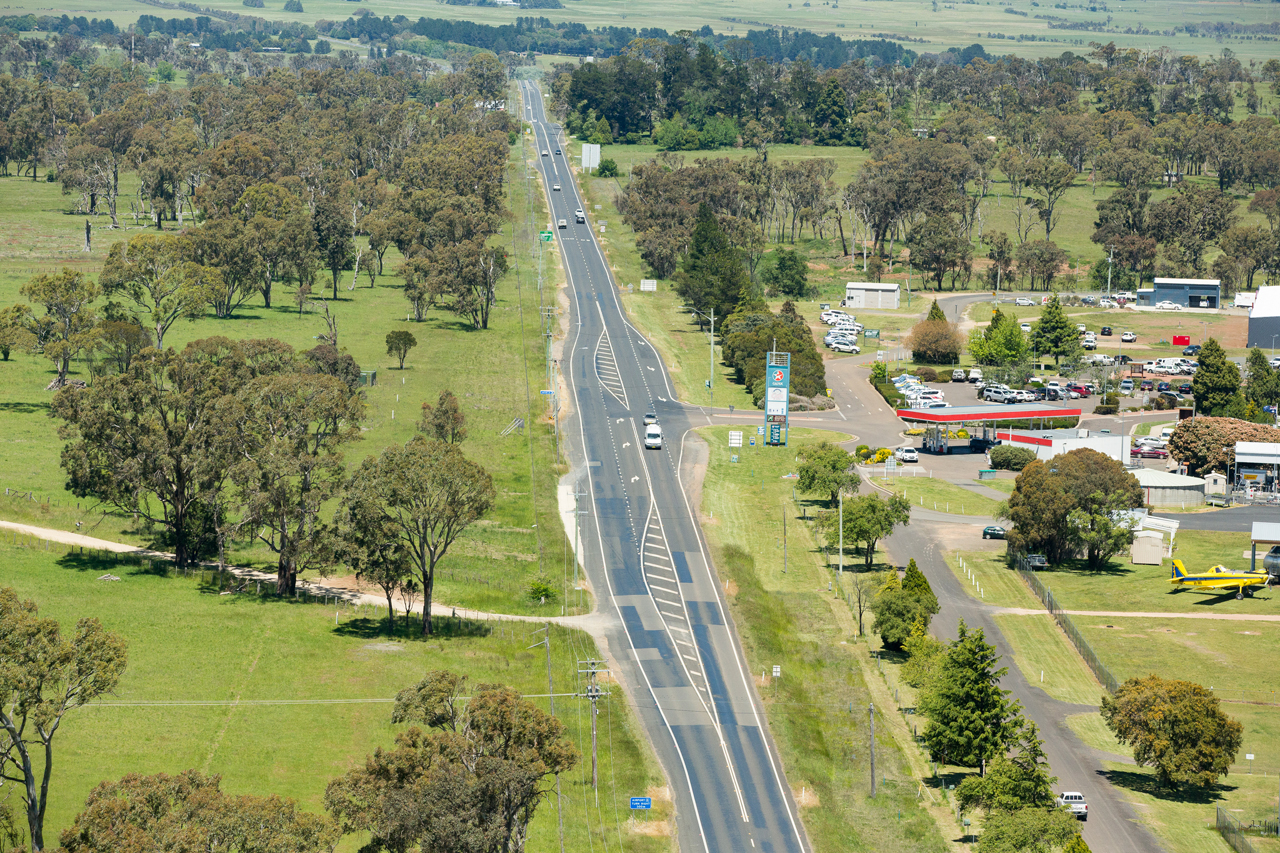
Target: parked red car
{"type": "Point", "coordinates": [1079, 389]}
{"type": "Point", "coordinates": [1149, 452]}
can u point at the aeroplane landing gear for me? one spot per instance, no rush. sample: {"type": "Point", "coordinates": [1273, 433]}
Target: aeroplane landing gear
{"type": "Point", "coordinates": [1239, 596]}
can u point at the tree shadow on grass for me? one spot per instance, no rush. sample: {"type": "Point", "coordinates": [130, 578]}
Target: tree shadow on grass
{"type": "Point", "coordinates": [21, 408]}
{"type": "Point", "coordinates": [119, 566]}
{"type": "Point", "coordinates": [1081, 567]}
{"type": "Point", "coordinates": [1144, 782]}
{"type": "Point", "coordinates": [443, 627]}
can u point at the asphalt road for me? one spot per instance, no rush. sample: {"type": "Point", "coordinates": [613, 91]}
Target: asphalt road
{"type": "Point", "coordinates": [645, 556]}
{"type": "Point", "coordinates": [1236, 519]}
{"type": "Point", "coordinates": [1112, 824]}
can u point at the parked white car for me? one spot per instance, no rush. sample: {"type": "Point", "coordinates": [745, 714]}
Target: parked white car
{"type": "Point", "coordinates": [1026, 327]}
{"type": "Point", "coordinates": [1024, 302]}
{"type": "Point", "coordinates": [1128, 337]}
{"type": "Point", "coordinates": [845, 346]}
{"type": "Point", "coordinates": [1166, 305]}
{"type": "Point", "coordinates": [1106, 303]}
{"type": "Point", "coordinates": [907, 454]}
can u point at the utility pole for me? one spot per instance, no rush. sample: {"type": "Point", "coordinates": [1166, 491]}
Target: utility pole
{"type": "Point", "coordinates": [871, 715]}
{"type": "Point", "coordinates": [841, 526]}
{"type": "Point", "coordinates": [1110, 257]}
{"type": "Point", "coordinates": [591, 670]}
{"type": "Point", "coordinates": [784, 537]}
{"type": "Point", "coordinates": [551, 700]}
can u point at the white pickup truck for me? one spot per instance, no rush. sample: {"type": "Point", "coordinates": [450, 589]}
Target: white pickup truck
{"type": "Point", "coordinates": [1074, 800]}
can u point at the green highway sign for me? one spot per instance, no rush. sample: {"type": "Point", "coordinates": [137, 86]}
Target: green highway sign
{"type": "Point", "coordinates": [870, 333]}
{"type": "Point", "coordinates": [545, 236]}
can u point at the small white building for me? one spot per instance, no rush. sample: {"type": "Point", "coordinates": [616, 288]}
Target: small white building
{"type": "Point", "coordinates": [1051, 443]}
{"type": "Point", "coordinates": [872, 294]}
{"type": "Point", "coordinates": [1163, 488]}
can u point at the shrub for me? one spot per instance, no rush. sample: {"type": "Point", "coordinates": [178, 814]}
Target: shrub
{"type": "Point", "coordinates": [1007, 458]}
{"type": "Point", "coordinates": [879, 373]}
{"type": "Point", "coordinates": [944, 376]}
{"type": "Point", "coordinates": [881, 455]}
{"type": "Point", "coordinates": [927, 374]}
{"type": "Point", "coordinates": [293, 5]}
{"type": "Point", "coordinates": [541, 591]}
{"type": "Point", "coordinates": [862, 452]}
{"type": "Point", "coordinates": [891, 395]}
{"type": "Point", "coordinates": [1163, 403]}
{"type": "Point", "coordinates": [608, 168]}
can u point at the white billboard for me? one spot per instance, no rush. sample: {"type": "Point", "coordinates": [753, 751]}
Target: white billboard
{"type": "Point", "coordinates": [590, 156]}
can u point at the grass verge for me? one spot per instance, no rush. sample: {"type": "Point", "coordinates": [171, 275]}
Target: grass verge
{"type": "Point", "coordinates": [817, 710]}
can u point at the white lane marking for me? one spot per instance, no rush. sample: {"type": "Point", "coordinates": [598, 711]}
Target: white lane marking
{"type": "Point", "coordinates": [633, 479]}
{"type": "Point", "coordinates": [625, 445]}
{"type": "Point", "coordinates": [663, 588]}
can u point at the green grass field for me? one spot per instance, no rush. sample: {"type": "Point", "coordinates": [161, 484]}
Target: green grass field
{"type": "Point", "coordinates": [191, 647]}
{"type": "Point", "coordinates": [789, 619]}
{"type": "Point", "coordinates": [933, 493]}
{"type": "Point", "coordinates": [492, 372]}
{"type": "Point", "coordinates": [930, 28]}
{"type": "Point", "coordinates": [1124, 586]}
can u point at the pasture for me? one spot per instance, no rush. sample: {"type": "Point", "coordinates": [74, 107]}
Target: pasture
{"type": "Point", "coordinates": [280, 697]}
{"type": "Point", "coordinates": [492, 372]}
{"type": "Point", "coordinates": [1020, 27]}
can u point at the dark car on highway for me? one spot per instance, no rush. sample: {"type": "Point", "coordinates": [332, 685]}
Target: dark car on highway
{"type": "Point", "coordinates": [993, 532]}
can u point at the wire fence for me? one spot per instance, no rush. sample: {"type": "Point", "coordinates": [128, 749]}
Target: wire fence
{"type": "Point", "coordinates": [1233, 832]}
{"type": "Point", "coordinates": [1042, 591]}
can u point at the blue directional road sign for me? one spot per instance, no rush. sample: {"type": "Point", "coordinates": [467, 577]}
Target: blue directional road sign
{"type": "Point", "coordinates": [641, 803]}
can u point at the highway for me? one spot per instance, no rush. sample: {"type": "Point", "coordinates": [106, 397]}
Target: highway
{"type": "Point", "coordinates": [646, 558]}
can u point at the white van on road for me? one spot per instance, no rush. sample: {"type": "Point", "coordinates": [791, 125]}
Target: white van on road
{"type": "Point", "coordinates": [653, 437]}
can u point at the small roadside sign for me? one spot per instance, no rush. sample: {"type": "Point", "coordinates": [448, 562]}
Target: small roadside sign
{"type": "Point", "coordinates": [777, 671]}
{"type": "Point", "coordinates": [545, 236]}
{"type": "Point", "coordinates": [759, 430]}
{"type": "Point", "coordinates": [546, 392]}
{"type": "Point", "coordinates": [870, 333]}
{"type": "Point", "coordinates": [735, 438]}
{"type": "Point", "coordinates": [641, 802]}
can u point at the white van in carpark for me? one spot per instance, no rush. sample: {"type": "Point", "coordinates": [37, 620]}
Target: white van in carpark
{"type": "Point", "coordinates": [653, 437]}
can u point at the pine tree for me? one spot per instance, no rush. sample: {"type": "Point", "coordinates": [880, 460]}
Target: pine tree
{"type": "Point", "coordinates": [970, 717]}
{"type": "Point", "coordinates": [936, 313]}
{"type": "Point", "coordinates": [1262, 389]}
{"type": "Point", "coordinates": [831, 116]}
{"type": "Point", "coordinates": [1217, 380]}
{"type": "Point", "coordinates": [915, 583]}
{"type": "Point", "coordinates": [1053, 334]}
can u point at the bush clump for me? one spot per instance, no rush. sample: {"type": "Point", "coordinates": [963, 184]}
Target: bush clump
{"type": "Point", "coordinates": [927, 374]}
{"type": "Point", "coordinates": [1006, 458]}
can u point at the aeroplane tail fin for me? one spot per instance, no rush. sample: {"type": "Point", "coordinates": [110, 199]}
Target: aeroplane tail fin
{"type": "Point", "coordinates": [1179, 570]}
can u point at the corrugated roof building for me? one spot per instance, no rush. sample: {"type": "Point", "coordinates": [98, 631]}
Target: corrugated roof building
{"type": "Point", "coordinates": [1163, 488]}
{"type": "Point", "coordinates": [1264, 318]}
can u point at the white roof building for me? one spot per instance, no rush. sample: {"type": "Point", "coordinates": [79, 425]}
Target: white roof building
{"type": "Point", "coordinates": [872, 294]}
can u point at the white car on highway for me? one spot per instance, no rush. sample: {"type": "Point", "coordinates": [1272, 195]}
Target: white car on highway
{"type": "Point", "coordinates": [1024, 301]}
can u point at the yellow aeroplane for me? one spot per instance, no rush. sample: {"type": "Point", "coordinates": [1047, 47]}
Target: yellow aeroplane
{"type": "Point", "coordinates": [1220, 577]}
